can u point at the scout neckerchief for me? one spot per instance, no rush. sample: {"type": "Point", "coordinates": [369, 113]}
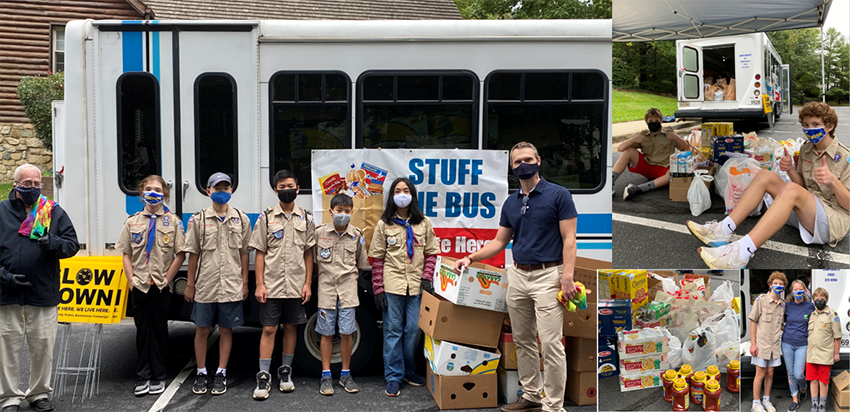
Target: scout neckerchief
{"type": "Point", "coordinates": [152, 234]}
{"type": "Point", "coordinates": [38, 221]}
{"type": "Point", "coordinates": [411, 237]}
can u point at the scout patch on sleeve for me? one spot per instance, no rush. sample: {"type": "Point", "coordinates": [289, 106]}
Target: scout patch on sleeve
{"type": "Point", "coordinates": [362, 240]}
{"type": "Point", "coordinates": [191, 218]}
{"type": "Point", "coordinates": [235, 220]}
{"type": "Point", "coordinates": [180, 224]}
{"type": "Point", "coordinates": [325, 253]}
{"type": "Point", "coordinates": [837, 320]}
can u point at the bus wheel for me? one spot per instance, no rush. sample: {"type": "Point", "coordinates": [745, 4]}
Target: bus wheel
{"type": "Point", "coordinates": [308, 354]}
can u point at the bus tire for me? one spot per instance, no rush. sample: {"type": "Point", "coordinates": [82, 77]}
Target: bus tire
{"type": "Point", "coordinates": [307, 350]}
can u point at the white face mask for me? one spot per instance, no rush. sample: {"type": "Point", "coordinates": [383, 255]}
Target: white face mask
{"type": "Point", "coordinates": [402, 200]}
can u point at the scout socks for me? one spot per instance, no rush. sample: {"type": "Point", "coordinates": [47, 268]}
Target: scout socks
{"type": "Point", "coordinates": [202, 371]}
{"type": "Point", "coordinates": [745, 250]}
{"type": "Point", "coordinates": [650, 185]}
{"type": "Point", "coordinates": [815, 403]}
{"type": "Point", "coordinates": [221, 371]}
{"type": "Point", "coordinates": [345, 372]}
{"type": "Point", "coordinates": [326, 374]}
{"type": "Point", "coordinates": [614, 176]}
{"type": "Point", "coordinates": [265, 365]}
{"type": "Point", "coordinates": [728, 226]}
{"type": "Point", "coordinates": [287, 359]}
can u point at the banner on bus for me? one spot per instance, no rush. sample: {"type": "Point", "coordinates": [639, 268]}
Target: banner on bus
{"type": "Point", "coordinates": [92, 290]}
{"type": "Point", "coordinates": [461, 191]}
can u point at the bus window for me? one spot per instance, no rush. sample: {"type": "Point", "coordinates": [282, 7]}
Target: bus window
{"type": "Point", "coordinates": [309, 111]}
{"type": "Point", "coordinates": [564, 114]}
{"type": "Point", "coordinates": [138, 129]}
{"type": "Point", "coordinates": [215, 128]}
{"type": "Point", "coordinates": [418, 110]}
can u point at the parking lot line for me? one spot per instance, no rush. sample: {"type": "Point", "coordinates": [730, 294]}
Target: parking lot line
{"type": "Point", "coordinates": [175, 384]}
{"type": "Point", "coordinates": [769, 245]}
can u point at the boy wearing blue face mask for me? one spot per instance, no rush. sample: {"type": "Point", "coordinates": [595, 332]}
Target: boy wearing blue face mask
{"type": "Point", "coordinates": [816, 201]}
{"type": "Point", "coordinates": [340, 253]}
{"type": "Point", "coordinates": [217, 282]}
{"type": "Point", "coordinates": [766, 319]}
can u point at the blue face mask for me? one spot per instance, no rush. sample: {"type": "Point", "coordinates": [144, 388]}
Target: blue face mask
{"type": "Point", "coordinates": [798, 294]}
{"type": "Point", "coordinates": [777, 289]}
{"type": "Point", "coordinates": [152, 198]}
{"type": "Point", "coordinates": [220, 198]}
{"type": "Point", "coordinates": [815, 135]}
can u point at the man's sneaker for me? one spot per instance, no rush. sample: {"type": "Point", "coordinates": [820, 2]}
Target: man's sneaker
{"type": "Point", "coordinates": [219, 384]}
{"type": "Point", "coordinates": [326, 387]}
{"type": "Point", "coordinates": [261, 392]}
{"type": "Point", "coordinates": [414, 380]}
{"type": "Point", "coordinates": [710, 234]}
{"type": "Point", "coordinates": [768, 406]}
{"type": "Point", "coordinates": [392, 389]}
{"type": "Point", "coordinates": [200, 386]}
{"type": "Point", "coordinates": [757, 407]}
{"type": "Point", "coordinates": [142, 388]}
{"type": "Point", "coordinates": [793, 407]}
{"type": "Point", "coordinates": [522, 405]}
{"type": "Point", "coordinates": [723, 257]}
{"type": "Point", "coordinates": [630, 192]}
{"type": "Point", "coordinates": [157, 387]}
{"type": "Point", "coordinates": [284, 373]}
{"type": "Point", "coordinates": [347, 383]}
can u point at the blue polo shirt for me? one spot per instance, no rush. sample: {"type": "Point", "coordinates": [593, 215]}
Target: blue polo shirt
{"type": "Point", "coordinates": [537, 237]}
{"type": "Point", "coordinates": [796, 330]}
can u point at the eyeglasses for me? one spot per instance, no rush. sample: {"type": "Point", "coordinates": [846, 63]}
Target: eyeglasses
{"type": "Point", "coordinates": [28, 184]}
{"type": "Point", "coordinates": [524, 205]}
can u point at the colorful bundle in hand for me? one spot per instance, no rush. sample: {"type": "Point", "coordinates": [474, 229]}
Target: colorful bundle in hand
{"type": "Point", "coordinates": [579, 301]}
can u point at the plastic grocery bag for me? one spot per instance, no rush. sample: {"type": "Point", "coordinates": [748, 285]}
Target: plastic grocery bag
{"type": "Point", "coordinates": [698, 196]}
{"type": "Point", "coordinates": [727, 353]}
{"type": "Point", "coordinates": [705, 309]}
{"type": "Point", "coordinates": [683, 324]}
{"type": "Point", "coordinates": [724, 326]}
{"type": "Point", "coordinates": [675, 354]}
{"type": "Point", "coordinates": [699, 349]}
{"type": "Point", "coordinates": [734, 178]}
{"type": "Point", "coordinates": [723, 293]}
{"type": "Point", "coordinates": [668, 285]}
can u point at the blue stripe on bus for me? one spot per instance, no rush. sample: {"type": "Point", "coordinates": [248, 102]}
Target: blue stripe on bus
{"type": "Point", "coordinates": [583, 245]}
{"type": "Point", "coordinates": [156, 54]}
{"type": "Point", "coordinates": [131, 43]}
{"type": "Point", "coordinates": [594, 223]}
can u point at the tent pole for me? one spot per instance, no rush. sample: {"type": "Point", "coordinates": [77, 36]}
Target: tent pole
{"type": "Point", "coordinates": [822, 76]}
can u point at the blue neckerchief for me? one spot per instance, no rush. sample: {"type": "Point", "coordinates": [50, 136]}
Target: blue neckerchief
{"type": "Point", "coordinates": [410, 236]}
{"type": "Point", "coordinates": [151, 235]}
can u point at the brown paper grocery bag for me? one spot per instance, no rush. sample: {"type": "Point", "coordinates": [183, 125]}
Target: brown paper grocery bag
{"type": "Point", "coordinates": [366, 214]}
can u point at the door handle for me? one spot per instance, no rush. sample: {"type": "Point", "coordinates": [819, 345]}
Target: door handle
{"type": "Point", "coordinates": [185, 189]}
{"type": "Point", "coordinates": [170, 184]}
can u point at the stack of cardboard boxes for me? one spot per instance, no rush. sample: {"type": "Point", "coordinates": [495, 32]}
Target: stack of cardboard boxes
{"type": "Point", "coordinates": [580, 330]}
{"type": "Point", "coordinates": [840, 392]}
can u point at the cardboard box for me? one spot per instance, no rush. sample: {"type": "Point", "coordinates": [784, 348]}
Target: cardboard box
{"type": "Point", "coordinates": [581, 354]}
{"type": "Point", "coordinates": [463, 392]}
{"type": "Point", "coordinates": [510, 389]}
{"type": "Point", "coordinates": [841, 390]}
{"type": "Point", "coordinates": [479, 286]}
{"type": "Point", "coordinates": [607, 362]}
{"type": "Point", "coordinates": [444, 320]}
{"type": "Point", "coordinates": [507, 348]}
{"type": "Point", "coordinates": [581, 387]}
{"type": "Point", "coordinates": [679, 185]}
{"type": "Point", "coordinates": [640, 380]}
{"type": "Point", "coordinates": [615, 315]}
{"type": "Point", "coordinates": [581, 323]}
{"type": "Point", "coordinates": [836, 406]}
{"type": "Point", "coordinates": [605, 283]}
{"type": "Point", "coordinates": [585, 272]}
{"type": "Point", "coordinates": [451, 359]}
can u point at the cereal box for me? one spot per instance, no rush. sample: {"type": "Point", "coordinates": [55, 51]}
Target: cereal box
{"type": "Point", "coordinates": [634, 286]}
{"type": "Point", "coordinates": [657, 363]}
{"type": "Point", "coordinates": [641, 342]}
{"type": "Point", "coordinates": [639, 380]}
{"type": "Point", "coordinates": [606, 283]}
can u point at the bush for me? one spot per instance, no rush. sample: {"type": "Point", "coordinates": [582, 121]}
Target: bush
{"type": "Point", "coordinates": [35, 94]}
{"type": "Point", "coordinates": [659, 86]}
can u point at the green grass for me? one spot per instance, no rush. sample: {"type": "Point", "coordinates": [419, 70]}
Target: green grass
{"type": "Point", "coordinates": [5, 188]}
{"type": "Point", "coordinates": [633, 105]}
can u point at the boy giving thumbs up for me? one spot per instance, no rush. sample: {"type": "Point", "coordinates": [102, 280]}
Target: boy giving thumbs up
{"type": "Point", "coordinates": [816, 200]}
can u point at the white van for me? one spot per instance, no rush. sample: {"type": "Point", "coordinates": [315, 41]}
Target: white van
{"type": "Point", "coordinates": [184, 99]}
{"type": "Point", "coordinates": [750, 60]}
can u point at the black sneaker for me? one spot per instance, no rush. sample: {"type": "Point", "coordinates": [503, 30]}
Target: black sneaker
{"type": "Point", "coordinates": [326, 386]}
{"type": "Point", "coordinates": [630, 192]}
{"type": "Point", "coordinates": [347, 383]}
{"type": "Point", "coordinates": [42, 405]}
{"type": "Point", "coordinates": [803, 396]}
{"type": "Point", "coordinates": [200, 386]}
{"type": "Point", "coordinates": [219, 384]}
{"type": "Point", "coordinates": [157, 387]}
{"type": "Point", "coordinates": [793, 407]}
{"type": "Point", "coordinates": [263, 384]}
{"type": "Point", "coordinates": [142, 388]}
{"type": "Point", "coordinates": [284, 373]}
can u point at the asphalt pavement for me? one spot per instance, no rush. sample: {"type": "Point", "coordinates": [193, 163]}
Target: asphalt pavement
{"type": "Point", "coordinates": [651, 231]}
{"type": "Point", "coordinates": [780, 396]}
{"type": "Point", "coordinates": [115, 393]}
{"type": "Point", "coordinates": [652, 399]}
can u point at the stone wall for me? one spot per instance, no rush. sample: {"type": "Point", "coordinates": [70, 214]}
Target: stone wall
{"type": "Point", "coordinates": [18, 145]}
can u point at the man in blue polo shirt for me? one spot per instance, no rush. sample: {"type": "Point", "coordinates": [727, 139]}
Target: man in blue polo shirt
{"type": "Point", "coordinates": [541, 220]}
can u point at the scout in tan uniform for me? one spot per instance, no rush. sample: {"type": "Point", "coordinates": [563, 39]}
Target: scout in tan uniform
{"type": "Point", "coordinates": [653, 160]}
{"type": "Point", "coordinates": [404, 250]}
{"type": "Point", "coordinates": [283, 237]}
{"type": "Point", "coordinates": [339, 254]}
{"type": "Point", "coordinates": [217, 242]}
{"type": "Point", "coordinates": [152, 242]}
{"type": "Point", "coordinates": [824, 344]}
{"type": "Point", "coordinates": [816, 204]}
{"type": "Point", "coordinates": [766, 320]}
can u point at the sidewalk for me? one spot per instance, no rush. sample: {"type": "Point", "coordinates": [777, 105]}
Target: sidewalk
{"type": "Point", "coordinates": [623, 131]}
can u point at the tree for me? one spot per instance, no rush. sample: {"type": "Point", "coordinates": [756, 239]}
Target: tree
{"type": "Point", "coordinates": [36, 94]}
{"type": "Point", "coordinates": [649, 66]}
{"type": "Point", "coordinates": [801, 50]}
{"type": "Point", "coordinates": [534, 9]}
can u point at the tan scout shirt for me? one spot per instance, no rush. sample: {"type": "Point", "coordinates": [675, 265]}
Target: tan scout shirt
{"type": "Point", "coordinates": [134, 237]}
{"type": "Point", "coordinates": [768, 315]}
{"type": "Point", "coordinates": [284, 242]}
{"type": "Point", "coordinates": [220, 246]}
{"type": "Point", "coordinates": [401, 276]}
{"type": "Point", "coordinates": [824, 329]}
{"type": "Point", "coordinates": [656, 148]}
{"type": "Point", "coordinates": [836, 160]}
{"type": "Point", "coordinates": [339, 257]}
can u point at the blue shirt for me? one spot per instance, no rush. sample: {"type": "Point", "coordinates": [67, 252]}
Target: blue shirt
{"type": "Point", "coordinates": [537, 236]}
{"type": "Point", "coordinates": [797, 322]}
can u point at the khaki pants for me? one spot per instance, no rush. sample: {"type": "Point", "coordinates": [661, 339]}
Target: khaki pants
{"type": "Point", "coordinates": [37, 326]}
{"type": "Point", "coordinates": [534, 309]}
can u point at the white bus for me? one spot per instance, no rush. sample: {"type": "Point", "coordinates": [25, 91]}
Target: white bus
{"type": "Point", "coordinates": [751, 60]}
{"type": "Point", "coordinates": [184, 99]}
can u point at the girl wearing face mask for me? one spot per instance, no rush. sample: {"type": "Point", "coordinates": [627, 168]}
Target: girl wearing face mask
{"type": "Point", "coordinates": [404, 250]}
{"type": "Point", "coordinates": [151, 242]}
{"type": "Point", "coordinates": [824, 344]}
{"type": "Point", "coordinates": [765, 331]}
{"type": "Point", "coordinates": [795, 337]}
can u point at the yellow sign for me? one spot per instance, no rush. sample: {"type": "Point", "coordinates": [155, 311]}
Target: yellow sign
{"type": "Point", "coordinates": [765, 100]}
{"type": "Point", "coordinates": [92, 290]}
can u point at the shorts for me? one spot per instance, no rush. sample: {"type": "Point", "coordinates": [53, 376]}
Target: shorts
{"type": "Point", "coordinates": [819, 372]}
{"type": "Point", "coordinates": [647, 170]}
{"type": "Point", "coordinates": [765, 363]}
{"type": "Point", "coordinates": [282, 311]}
{"type": "Point", "coordinates": [821, 235]}
{"type": "Point", "coordinates": [229, 315]}
{"type": "Point", "coordinates": [328, 319]}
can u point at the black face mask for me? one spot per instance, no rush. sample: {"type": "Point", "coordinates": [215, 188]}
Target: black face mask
{"type": "Point", "coordinates": [654, 127]}
{"type": "Point", "coordinates": [820, 304]}
{"type": "Point", "coordinates": [287, 195]}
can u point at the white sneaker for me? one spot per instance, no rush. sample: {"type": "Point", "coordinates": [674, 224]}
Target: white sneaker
{"type": "Point", "coordinates": [723, 257]}
{"type": "Point", "coordinates": [768, 406]}
{"type": "Point", "coordinates": [710, 234]}
{"type": "Point", "coordinates": [758, 407]}
{"type": "Point", "coordinates": [263, 385]}
{"type": "Point", "coordinates": [284, 373]}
